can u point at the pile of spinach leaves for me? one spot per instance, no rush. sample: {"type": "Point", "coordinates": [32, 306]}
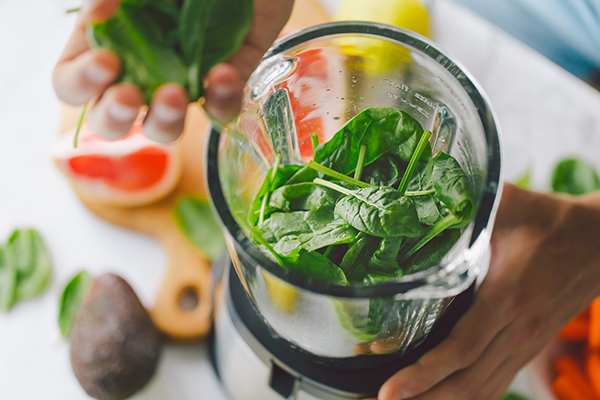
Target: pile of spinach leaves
{"type": "Point", "coordinates": [373, 205]}
{"type": "Point", "coordinates": [179, 41]}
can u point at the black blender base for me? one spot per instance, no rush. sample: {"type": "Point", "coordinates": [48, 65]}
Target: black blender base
{"type": "Point", "coordinates": [361, 374]}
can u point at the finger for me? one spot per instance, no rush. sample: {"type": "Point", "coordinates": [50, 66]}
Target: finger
{"type": "Point", "coordinates": [224, 92]}
{"type": "Point", "coordinates": [466, 384]}
{"type": "Point", "coordinates": [225, 82]}
{"type": "Point", "coordinates": [91, 10]}
{"type": "Point", "coordinates": [164, 122]}
{"type": "Point", "coordinates": [86, 76]}
{"type": "Point", "coordinates": [501, 379]}
{"type": "Point", "coordinates": [463, 347]}
{"type": "Point", "coordinates": [80, 73]}
{"type": "Point", "coordinates": [115, 112]}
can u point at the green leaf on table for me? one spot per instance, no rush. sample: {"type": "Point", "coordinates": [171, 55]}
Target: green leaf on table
{"type": "Point", "coordinates": [8, 278]}
{"type": "Point", "coordinates": [198, 224]}
{"type": "Point", "coordinates": [575, 176]}
{"type": "Point", "coordinates": [32, 262]}
{"type": "Point", "coordinates": [379, 210]}
{"type": "Point", "coordinates": [524, 181]}
{"type": "Point", "coordinates": [72, 299]}
{"type": "Point", "coordinates": [513, 396]}
{"type": "Point", "coordinates": [381, 130]}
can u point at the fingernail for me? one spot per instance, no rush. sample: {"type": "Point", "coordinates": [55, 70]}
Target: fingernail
{"type": "Point", "coordinates": [121, 113]}
{"type": "Point", "coordinates": [97, 73]}
{"type": "Point", "coordinates": [166, 114]}
{"type": "Point", "coordinates": [223, 92]}
{"type": "Point", "coordinates": [153, 132]}
{"type": "Point", "coordinates": [401, 396]}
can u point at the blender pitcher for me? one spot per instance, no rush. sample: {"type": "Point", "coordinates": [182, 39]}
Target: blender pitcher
{"type": "Point", "coordinates": [315, 81]}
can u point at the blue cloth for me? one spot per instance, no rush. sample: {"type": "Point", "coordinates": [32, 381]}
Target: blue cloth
{"type": "Point", "coordinates": [566, 31]}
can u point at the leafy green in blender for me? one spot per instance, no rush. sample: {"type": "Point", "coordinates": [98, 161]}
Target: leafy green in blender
{"type": "Point", "coordinates": [373, 205]}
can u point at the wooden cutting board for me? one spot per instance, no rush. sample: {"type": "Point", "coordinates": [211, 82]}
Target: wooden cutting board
{"type": "Point", "coordinates": [187, 268]}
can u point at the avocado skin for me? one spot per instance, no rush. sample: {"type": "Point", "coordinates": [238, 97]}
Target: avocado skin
{"type": "Point", "coordinates": [115, 347]}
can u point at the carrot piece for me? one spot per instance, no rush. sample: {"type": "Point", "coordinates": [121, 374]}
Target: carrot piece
{"type": "Point", "coordinates": [575, 331]}
{"type": "Point", "coordinates": [594, 339]}
{"type": "Point", "coordinates": [568, 387]}
{"type": "Point", "coordinates": [593, 371]}
{"type": "Point", "coordinates": [567, 365]}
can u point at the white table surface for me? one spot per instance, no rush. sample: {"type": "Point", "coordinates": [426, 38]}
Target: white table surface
{"type": "Point", "coordinates": [545, 114]}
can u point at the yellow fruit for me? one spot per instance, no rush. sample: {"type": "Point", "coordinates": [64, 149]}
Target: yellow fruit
{"type": "Point", "coordinates": [282, 294]}
{"type": "Point", "coordinates": [378, 56]}
{"type": "Point", "coordinates": [408, 14]}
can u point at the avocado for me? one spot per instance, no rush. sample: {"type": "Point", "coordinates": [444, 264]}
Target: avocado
{"type": "Point", "coordinates": [115, 347]}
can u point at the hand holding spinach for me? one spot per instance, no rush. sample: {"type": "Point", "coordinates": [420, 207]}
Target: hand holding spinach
{"type": "Point", "coordinates": [158, 51]}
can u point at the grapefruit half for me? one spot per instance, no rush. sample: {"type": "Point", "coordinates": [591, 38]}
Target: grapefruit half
{"type": "Point", "coordinates": [132, 171]}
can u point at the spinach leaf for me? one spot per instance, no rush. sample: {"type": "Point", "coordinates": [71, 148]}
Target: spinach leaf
{"type": "Point", "coordinates": [302, 197]}
{"type": "Point", "coordinates": [287, 244]}
{"type": "Point", "coordinates": [452, 186]}
{"type": "Point", "coordinates": [315, 265]}
{"type": "Point", "coordinates": [304, 174]}
{"type": "Point", "coordinates": [192, 24]}
{"type": "Point", "coordinates": [426, 204]}
{"type": "Point", "coordinates": [364, 323]}
{"type": "Point", "coordinates": [358, 255]}
{"type": "Point", "coordinates": [196, 221]}
{"type": "Point", "coordinates": [8, 278]}
{"type": "Point", "coordinates": [279, 225]}
{"type": "Point", "coordinates": [574, 176]}
{"type": "Point", "coordinates": [414, 160]}
{"type": "Point", "coordinates": [385, 171]}
{"type": "Point", "coordinates": [524, 181]}
{"type": "Point", "coordinates": [136, 34]}
{"type": "Point", "coordinates": [321, 217]}
{"type": "Point", "coordinates": [432, 252]}
{"type": "Point", "coordinates": [513, 396]}
{"type": "Point", "coordinates": [172, 41]}
{"type": "Point", "coordinates": [385, 259]}
{"type": "Point", "coordinates": [379, 210]}
{"type": "Point", "coordinates": [380, 129]}
{"type": "Point", "coordinates": [337, 232]}
{"type": "Point", "coordinates": [72, 299]}
{"type": "Point", "coordinates": [228, 25]}
{"type": "Point", "coordinates": [32, 262]}
{"type": "Point", "coordinates": [275, 178]}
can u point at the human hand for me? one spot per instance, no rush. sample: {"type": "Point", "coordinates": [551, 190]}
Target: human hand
{"type": "Point", "coordinates": [545, 270]}
{"type": "Point", "coordinates": [83, 74]}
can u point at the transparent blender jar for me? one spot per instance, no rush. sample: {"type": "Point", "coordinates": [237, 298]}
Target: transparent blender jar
{"type": "Point", "coordinates": [314, 81]}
